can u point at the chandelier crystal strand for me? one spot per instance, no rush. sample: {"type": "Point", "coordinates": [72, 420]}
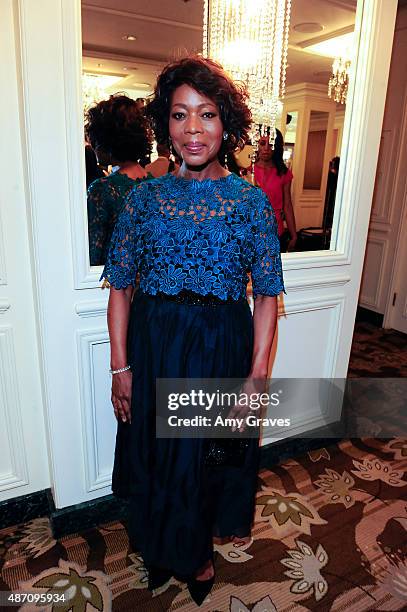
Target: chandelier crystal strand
{"type": "Point", "coordinates": [205, 28]}
{"type": "Point", "coordinates": [266, 76]}
{"type": "Point", "coordinates": [261, 97]}
{"type": "Point", "coordinates": [267, 119]}
{"type": "Point", "coordinates": [277, 66]}
{"type": "Point", "coordinates": [338, 83]}
{"type": "Point", "coordinates": [285, 48]}
{"type": "Point", "coordinates": [250, 39]}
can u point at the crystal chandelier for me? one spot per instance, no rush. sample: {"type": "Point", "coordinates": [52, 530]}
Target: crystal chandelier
{"type": "Point", "coordinates": [250, 39]}
{"type": "Point", "coordinates": [92, 91]}
{"type": "Point", "coordinates": [338, 83]}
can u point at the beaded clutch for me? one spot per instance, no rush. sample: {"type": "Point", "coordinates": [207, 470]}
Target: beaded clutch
{"type": "Point", "coordinates": [225, 451]}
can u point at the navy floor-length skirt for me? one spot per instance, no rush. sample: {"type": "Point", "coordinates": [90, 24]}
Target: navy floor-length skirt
{"type": "Point", "coordinates": [176, 502]}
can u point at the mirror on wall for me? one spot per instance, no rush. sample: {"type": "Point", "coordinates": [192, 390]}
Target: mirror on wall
{"type": "Point", "coordinates": [123, 51]}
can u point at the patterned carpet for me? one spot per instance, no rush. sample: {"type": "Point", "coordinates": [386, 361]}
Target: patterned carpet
{"type": "Point", "coordinates": [378, 352]}
{"type": "Point", "coordinates": [330, 533]}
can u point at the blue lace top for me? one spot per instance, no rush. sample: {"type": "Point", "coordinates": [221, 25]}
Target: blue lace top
{"type": "Point", "coordinates": [106, 196]}
{"type": "Point", "coordinates": [203, 236]}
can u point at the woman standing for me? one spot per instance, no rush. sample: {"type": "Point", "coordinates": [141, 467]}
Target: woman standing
{"type": "Point", "coordinates": [118, 133]}
{"type": "Point", "coordinates": [274, 178]}
{"type": "Point", "coordinates": [192, 237]}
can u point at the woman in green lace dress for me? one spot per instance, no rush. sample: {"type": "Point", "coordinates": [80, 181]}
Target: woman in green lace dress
{"type": "Point", "coordinates": [118, 131]}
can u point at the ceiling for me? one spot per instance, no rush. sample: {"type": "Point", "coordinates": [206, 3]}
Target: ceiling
{"type": "Point", "coordinates": [168, 29]}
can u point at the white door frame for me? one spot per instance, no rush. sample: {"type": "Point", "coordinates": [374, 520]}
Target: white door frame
{"type": "Point", "coordinates": [72, 309]}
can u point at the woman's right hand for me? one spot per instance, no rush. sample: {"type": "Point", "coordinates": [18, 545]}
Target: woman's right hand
{"type": "Point", "coordinates": [121, 395]}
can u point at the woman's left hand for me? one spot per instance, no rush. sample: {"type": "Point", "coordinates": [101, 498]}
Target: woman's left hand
{"type": "Point", "coordinates": [252, 388]}
{"type": "Point", "coordinates": [291, 244]}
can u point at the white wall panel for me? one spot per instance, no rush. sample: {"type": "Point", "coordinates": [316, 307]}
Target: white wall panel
{"type": "Point", "coordinates": [372, 278]}
{"type": "Point", "coordinates": [384, 178]}
{"type": "Point", "coordinates": [308, 334]}
{"type": "Point", "coordinates": [3, 277]}
{"type": "Point", "coordinates": [98, 418]}
{"type": "Point", "coordinates": [13, 458]}
{"type": "Point", "coordinates": [23, 447]}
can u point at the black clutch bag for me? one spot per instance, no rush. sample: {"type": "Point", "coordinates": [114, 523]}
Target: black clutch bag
{"type": "Point", "coordinates": [225, 451]}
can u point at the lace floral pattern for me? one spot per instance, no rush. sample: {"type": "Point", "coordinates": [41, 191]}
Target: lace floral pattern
{"type": "Point", "coordinates": [106, 197]}
{"type": "Point", "coordinates": [204, 236]}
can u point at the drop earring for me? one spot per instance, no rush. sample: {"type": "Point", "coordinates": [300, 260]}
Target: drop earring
{"type": "Point", "coordinates": [170, 146]}
{"type": "Point", "coordinates": [225, 161]}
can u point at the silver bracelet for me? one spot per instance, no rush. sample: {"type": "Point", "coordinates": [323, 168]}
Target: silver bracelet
{"type": "Point", "coordinates": [120, 370]}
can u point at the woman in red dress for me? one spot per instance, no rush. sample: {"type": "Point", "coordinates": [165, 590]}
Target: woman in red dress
{"type": "Point", "coordinates": [274, 178]}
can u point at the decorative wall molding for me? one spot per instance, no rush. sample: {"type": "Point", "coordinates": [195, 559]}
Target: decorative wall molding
{"type": "Point", "coordinates": [94, 308]}
{"type": "Point", "coordinates": [10, 416]}
{"type": "Point", "coordinates": [97, 308]}
{"type": "Point", "coordinates": [72, 74]}
{"type": "Point", "coordinates": [314, 259]}
{"type": "Point", "coordinates": [378, 226]}
{"type": "Point", "coordinates": [379, 265]}
{"type": "Point", "coordinates": [399, 176]}
{"type": "Point", "coordinates": [4, 306]}
{"type": "Point", "coordinates": [348, 5]}
{"type": "Point", "coordinates": [317, 282]}
{"type": "Point", "coordinates": [394, 315]}
{"type": "Point", "coordinates": [88, 51]}
{"type": "Point", "coordinates": [302, 90]}
{"type": "Point", "coordinates": [327, 36]}
{"type": "Point", "coordinates": [88, 341]}
{"type": "Point", "coordinates": [3, 275]}
{"type": "Point", "coordinates": [382, 200]}
{"type": "Point", "coordinates": [336, 304]}
{"type": "Point", "coordinates": [140, 17]}
{"type": "Point", "coordinates": [323, 408]}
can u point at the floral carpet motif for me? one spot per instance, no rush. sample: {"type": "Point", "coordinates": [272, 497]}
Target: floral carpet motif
{"type": "Point", "coordinates": [377, 352]}
{"type": "Point", "coordinates": [330, 533]}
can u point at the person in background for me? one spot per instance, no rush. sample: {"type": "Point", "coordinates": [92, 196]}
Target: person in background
{"type": "Point", "coordinates": [141, 103]}
{"type": "Point", "coordinates": [93, 171]}
{"type": "Point", "coordinates": [119, 132]}
{"type": "Point", "coordinates": [274, 178]}
{"type": "Point", "coordinates": [163, 164]}
{"type": "Point", "coordinates": [330, 195]}
{"type": "Point", "coordinates": [232, 164]}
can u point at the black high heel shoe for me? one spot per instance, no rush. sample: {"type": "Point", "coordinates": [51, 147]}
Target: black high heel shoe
{"type": "Point", "coordinates": [157, 577]}
{"type": "Point", "coordinates": [199, 589]}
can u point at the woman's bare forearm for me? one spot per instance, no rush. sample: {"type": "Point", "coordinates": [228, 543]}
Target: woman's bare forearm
{"type": "Point", "coordinates": [289, 211]}
{"type": "Point", "coordinates": [264, 321]}
{"type": "Point", "coordinates": [118, 313]}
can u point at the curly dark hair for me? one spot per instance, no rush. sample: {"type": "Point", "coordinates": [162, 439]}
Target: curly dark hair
{"type": "Point", "coordinates": [209, 79]}
{"type": "Point", "coordinates": [119, 128]}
